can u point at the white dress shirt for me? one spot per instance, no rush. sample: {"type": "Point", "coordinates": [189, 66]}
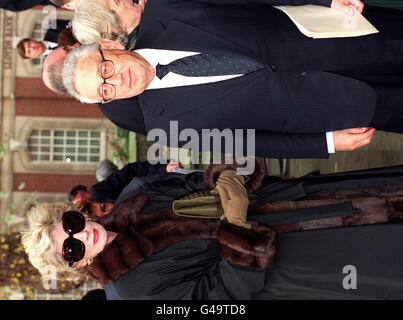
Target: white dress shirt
{"type": "Point", "coordinates": [162, 56]}
{"type": "Point", "coordinates": [50, 46]}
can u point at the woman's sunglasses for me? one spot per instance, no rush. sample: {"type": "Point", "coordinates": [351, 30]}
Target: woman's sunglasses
{"type": "Point", "coordinates": [73, 249]}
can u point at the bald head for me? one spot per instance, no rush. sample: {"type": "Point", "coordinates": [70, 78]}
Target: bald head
{"type": "Point", "coordinates": [53, 69]}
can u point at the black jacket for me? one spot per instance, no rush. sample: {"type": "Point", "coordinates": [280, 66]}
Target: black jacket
{"type": "Point", "coordinates": [291, 102]}
{"type": "Point", "coordinates": [52, 34]}
{"type": "Point", "coordinates": [20, 5]}
{"type": "Point", "coordinates": [308, 264]}
{"type": "Point", "coordinates": [109, 189]}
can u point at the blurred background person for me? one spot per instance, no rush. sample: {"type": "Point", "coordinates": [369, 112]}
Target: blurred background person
{"type": "Point", "coordinates": [53, 68]}
{"type": "Point", "coordinates": [104, 169]}
{"type": "Point", "coordinates": [94, 208]}
{"type": "Point", "coordinates": [114, 20]}
{"type": "Point", "coordinates": [109, 189]}
{"type": "Point", "coordinates": [78, 193]}
{"type": "Point", "coordinates": [29, 48]}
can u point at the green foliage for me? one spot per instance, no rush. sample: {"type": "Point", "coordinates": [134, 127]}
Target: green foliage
{"type": "Point", "coordinates": [121, 133]}
{"type": "Point", "coordinates": [16, 272]}
{"type": "Point", "coordinates": [13, 205]}
{"type": "Point", "coordinates": [3, 150]}
{"type": "Point", "coordinates": [3, 194]}
{"type": "Point", "coordinates": [120, 145]}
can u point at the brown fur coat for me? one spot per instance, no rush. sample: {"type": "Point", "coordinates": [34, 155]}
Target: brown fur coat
{"type": "Point", "coordinates": [139, 235]}
{"type": "Point", "coordinates": [370, 206]}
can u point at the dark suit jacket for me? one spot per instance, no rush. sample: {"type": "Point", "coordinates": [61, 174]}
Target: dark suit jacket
{"type": "Point", "coordinates": [20, 5]}
{"type": "Point", "coordinates": [53, 34]}
{"type": "Point", "coordinates": [291, 102]}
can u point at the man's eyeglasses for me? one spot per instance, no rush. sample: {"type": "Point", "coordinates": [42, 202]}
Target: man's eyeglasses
{"type": "Point", "coordinates": [108, 91]}
{"type": "Point", "coordinates": [73, 249]}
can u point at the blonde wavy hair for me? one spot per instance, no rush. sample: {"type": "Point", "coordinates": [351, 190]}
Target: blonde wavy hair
{"type": "Point", "coordinates": [93, 22]}
{"type": "Point", "coordinates": [39, 245]}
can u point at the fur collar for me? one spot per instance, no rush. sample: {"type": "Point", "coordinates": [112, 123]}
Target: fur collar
{"type": "Point", "coordinates": [139, 235]}
{"type": "Point", "coordinates": [213, 171]}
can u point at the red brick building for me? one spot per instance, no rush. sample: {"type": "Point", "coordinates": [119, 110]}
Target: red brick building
{"type": "Point", "coordinates": [54, 142]}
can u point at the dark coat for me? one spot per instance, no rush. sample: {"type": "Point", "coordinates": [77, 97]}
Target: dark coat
{"type": "Point", "coordinates": [308, 264]}
{"type": "Point", "coordinates": [20, 5]}
{"type": "Point", "coordinates": [291, 102]}
{"type": "Point", "coordinates": [109, 189]}
{"type": "Point", "coordinates": [53, 34]}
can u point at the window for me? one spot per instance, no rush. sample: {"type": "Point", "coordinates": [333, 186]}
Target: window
{"type": "Point", "coordinates": [59, 146]}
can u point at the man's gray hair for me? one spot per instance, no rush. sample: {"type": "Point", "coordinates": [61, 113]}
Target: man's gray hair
{"type": "Point", "coordinates": [55, 79]}
{"type": "Point", "coordinates": [68, 69]}
{"type": "Point", "coordinates": [104, 169]}
{"type": "Point", "coordinates": [93, 22]}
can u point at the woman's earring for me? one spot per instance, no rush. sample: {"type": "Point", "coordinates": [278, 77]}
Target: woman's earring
{"type": "Point", "coordinates": [89, 261]}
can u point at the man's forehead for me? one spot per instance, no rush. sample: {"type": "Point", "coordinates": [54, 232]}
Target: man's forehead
{"type": "Point", "coordinates": [86, 75]}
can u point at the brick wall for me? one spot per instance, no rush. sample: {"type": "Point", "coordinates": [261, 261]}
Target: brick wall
{"type": "Point", "coordinates": [34, 99]}
{"type": "Point", "coordinates": [51, 182]}
{"type": "Point", "coordinates": [32, 88]}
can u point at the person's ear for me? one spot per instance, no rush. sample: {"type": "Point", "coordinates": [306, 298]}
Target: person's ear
{"type": "Point", "coordinates": [104, 102]}
{"type": "Point", "coordinates": [69, 6]}
{"type": "Point", "coordinates": [110, 44]}
{"type": "Point", "coordinates": [80, 264]}
{"type": "Point", "coordinates": [69, 48]}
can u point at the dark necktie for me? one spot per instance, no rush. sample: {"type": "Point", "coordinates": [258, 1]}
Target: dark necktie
{"type": "Point", "coordinates": [207, 64]}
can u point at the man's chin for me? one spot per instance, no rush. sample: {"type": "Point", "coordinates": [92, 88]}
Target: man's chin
{"type": "Point", "coordinates": [136, 93]}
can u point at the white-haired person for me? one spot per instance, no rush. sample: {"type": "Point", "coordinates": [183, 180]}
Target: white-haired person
{"type": "Point", "coordinates": [152, 246]}
{"type": "Point", "coordinates": [110, 19]}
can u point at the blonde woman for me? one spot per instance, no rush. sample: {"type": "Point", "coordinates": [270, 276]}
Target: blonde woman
{"type": "Point", "coordinates": [148, 251]}
{"type": "Point", "coordinates": [39, 243]}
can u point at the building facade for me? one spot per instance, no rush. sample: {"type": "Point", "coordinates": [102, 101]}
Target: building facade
{"type": "Point", "coordinates": [50, 142]}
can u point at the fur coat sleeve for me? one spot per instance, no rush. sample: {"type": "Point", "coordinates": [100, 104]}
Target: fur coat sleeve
{"type": "Point", "coordinates": [139, 235]}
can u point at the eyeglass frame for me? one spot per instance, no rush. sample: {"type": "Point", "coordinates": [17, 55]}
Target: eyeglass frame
{"type": "Point", "coordinates": [71, 236]}
{"type": "Point", "coordinates": [105, 83]}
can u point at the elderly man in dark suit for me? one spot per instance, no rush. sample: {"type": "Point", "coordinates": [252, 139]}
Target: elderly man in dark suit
{"type": "Point", "coordinates": [305, 97]}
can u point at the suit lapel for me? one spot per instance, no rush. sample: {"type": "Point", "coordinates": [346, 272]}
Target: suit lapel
{"type": "Point", "coordinates": [176, 35]}
{"type": "Point", "coordinates": [167, 33]}
{"type": "Point", "coordinates": [161, 105]}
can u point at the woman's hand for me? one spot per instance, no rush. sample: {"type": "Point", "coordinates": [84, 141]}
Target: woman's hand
{"type": "Point", "coordinates": [234, 198]}
{"type": "Point", "coordinates": [348, 6]}
{"type": "Point", "coordinates": [172, 165]}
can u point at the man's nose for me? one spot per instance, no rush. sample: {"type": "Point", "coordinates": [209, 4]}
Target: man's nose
{"type": "Point", "coordinates": [116, 79]}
